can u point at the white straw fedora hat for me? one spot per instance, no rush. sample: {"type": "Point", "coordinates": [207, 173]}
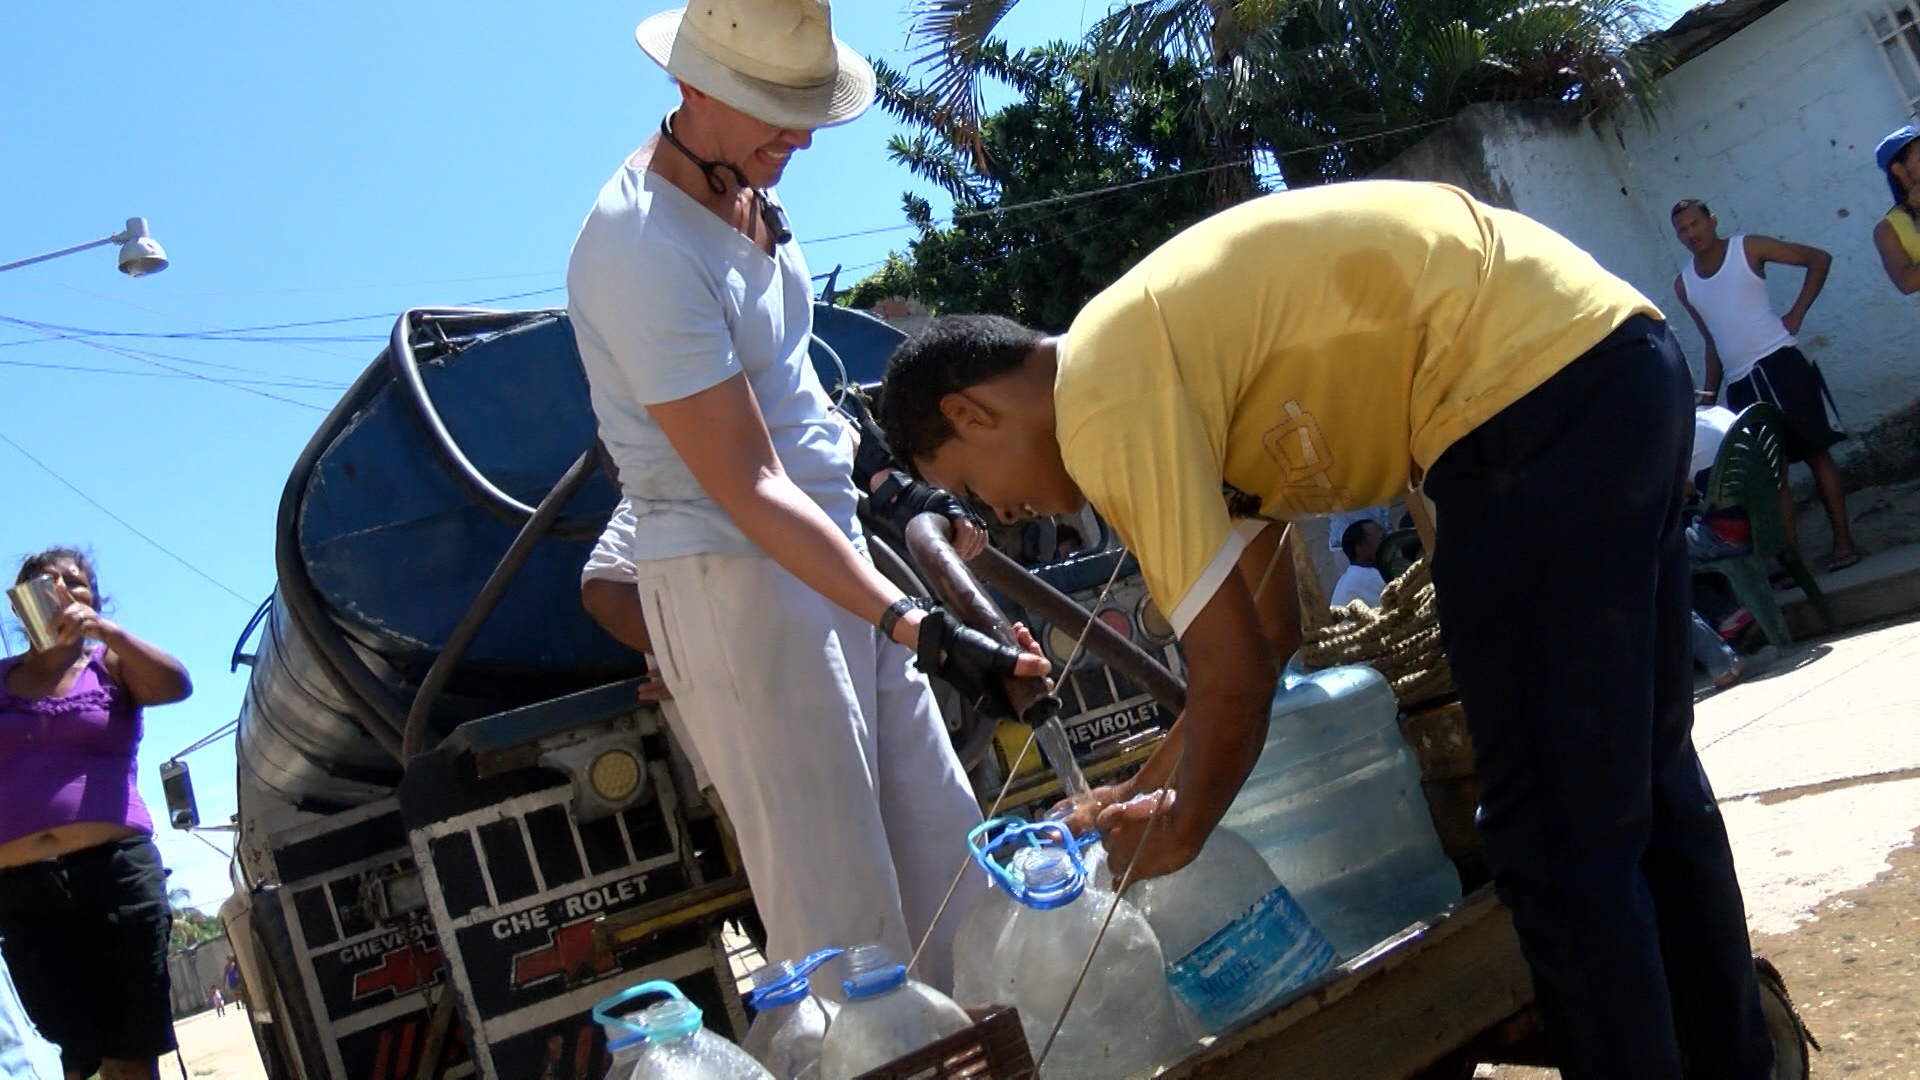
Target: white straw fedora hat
{"type": "Point", "coordinates": [775, 60]}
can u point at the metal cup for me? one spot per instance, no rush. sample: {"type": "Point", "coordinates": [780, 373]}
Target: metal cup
{"type": "Point", "coordinates": [37, 602]}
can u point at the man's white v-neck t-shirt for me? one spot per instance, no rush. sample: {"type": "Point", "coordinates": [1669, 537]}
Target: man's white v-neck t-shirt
{"type": "Point", "coordinates": [667, 300]}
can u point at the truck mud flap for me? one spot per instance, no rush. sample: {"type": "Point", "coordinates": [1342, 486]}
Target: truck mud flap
{"type": "Point", "coordinates": [365, 953]}
{"type": "Point", "coordinates": [516, 882]}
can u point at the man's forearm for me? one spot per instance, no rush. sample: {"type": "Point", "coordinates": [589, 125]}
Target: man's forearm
{"type": "Point", "coordinates": [1218, 750]}
{"type": "Point", "coordinates": [1711, 383]}
{"type": "Point", "coordinates": [615, 605]}
{"type": "Point", "coordinates": [1810, 286]}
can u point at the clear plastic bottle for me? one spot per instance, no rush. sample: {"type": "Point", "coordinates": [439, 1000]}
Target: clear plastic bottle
{"type": "Point", "coordinates": [1235, 940]}
{"type": "Point", "coordinates": [887, 1016]}
{"type": "Point", "coordinates": [979, 932]}
{"type": "Point", "coordinates": [625, 1046]}
{"type": "Point", "coordinates": [1122, 1019]}
{"type": "Point", "coordinates": [789, 1022]}
{"type": "Point", "coordinates": [1334, 806]}
{"type": "Point", "coordinates": [671, 1043]}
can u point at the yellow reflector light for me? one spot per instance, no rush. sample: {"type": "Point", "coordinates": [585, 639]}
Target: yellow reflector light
{"type": "Point", "coordinates": [615, 775]}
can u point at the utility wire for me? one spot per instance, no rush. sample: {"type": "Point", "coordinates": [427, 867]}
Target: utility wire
{"type": "Point", "coordinates": [95, 503]}
{"type": "Point", "coordinates": [144, 358]}
{"type": "Point", "coordinates": [303, 385]}
{"type": "Point", "coordinates": [238, 333]}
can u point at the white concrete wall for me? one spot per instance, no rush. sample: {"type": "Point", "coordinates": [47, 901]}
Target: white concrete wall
{"type": "Point", "coordinates": [1775, 129]}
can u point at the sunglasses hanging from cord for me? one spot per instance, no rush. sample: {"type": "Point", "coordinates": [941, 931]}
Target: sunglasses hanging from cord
{"type": "Point", "coordinates": [771, 215]}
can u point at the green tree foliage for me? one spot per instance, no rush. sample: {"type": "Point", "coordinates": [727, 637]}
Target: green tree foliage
{"type": "Point", "coordinates": [190, 925]}
{"type": "Point", "coordinates": [1333, 89]}
{"type": "Point", "coordinates": [1067, 188]}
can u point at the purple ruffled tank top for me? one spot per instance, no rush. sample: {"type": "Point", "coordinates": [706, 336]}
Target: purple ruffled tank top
{"type": "Point", "coordinates": [70, 758]}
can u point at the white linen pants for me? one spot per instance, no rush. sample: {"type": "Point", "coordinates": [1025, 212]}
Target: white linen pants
{"type": "Point", "coordinates": [849, 805]}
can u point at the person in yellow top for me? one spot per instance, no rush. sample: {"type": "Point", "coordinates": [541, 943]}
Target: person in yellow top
{"type": "Point", "coordinates": [1897, 235]}
{"type": "Point", "coordinates": [1318, 350]}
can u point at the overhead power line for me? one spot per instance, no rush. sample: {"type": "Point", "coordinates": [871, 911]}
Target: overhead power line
{"type": "Point", "coordinates": [256, 334]}
{"type": "Point", "coordinates": [146, 358]}
{"type": "Point", "coordinates": [306, 384]}
{"type": "Point", "coordinates": [124, 523]}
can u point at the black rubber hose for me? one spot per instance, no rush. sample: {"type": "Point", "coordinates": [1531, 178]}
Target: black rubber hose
{"type": "Point", "coordinates": [1103, 641]}
{"type": "Point", "coordinates": [468, 628]}
{"type": "Point", "coordinates": [412, 389]}
{"type": "Point", "coordinates": [381, 713]}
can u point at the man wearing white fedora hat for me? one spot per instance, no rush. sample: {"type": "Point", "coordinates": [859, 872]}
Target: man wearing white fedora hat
{"type": "Point", "coordinates": [692, 307]}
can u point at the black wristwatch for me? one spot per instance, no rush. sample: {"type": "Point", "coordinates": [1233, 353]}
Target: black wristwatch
{"type": "Point", "coordinates": [891, 617]}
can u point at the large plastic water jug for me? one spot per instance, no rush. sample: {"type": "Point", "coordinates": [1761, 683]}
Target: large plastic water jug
{"type": "Point", "coordinates": [1235, 940]}
{"type": "Point", "coordinates": [1334, 807]}
{"type": "Point", "coordinates": [1122, 1019]}
{"type": "Point", "coordinates": [789, 1023]}
{"type": "Point", "coordinates": [887, 1016]}
{"type": "Point", "coordinates": [979, 932]}
{"type": "Point", "coordinates": [671, 1043]}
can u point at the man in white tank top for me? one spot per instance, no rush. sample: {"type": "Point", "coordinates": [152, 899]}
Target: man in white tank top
{"type": "Point", "coordinates": [1756, 351]}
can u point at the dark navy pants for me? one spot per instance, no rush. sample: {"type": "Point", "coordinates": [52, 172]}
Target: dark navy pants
{"type": "Point", "coordinates": [1561, 576]}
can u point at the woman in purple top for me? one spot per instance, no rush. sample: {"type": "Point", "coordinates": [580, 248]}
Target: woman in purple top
{"type": "Point", "coordinates": [84, 917]}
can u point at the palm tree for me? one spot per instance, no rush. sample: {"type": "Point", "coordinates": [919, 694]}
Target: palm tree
{"type": "Point", "coordinates": [956, 38]}
{"type": "Point", "coordinates": [1331, 88]}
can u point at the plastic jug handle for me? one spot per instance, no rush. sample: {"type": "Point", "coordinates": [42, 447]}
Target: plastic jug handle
{"type": "Point", "coordinates": [813, 961]}
{"type": "Point", "coordinates": [602, 1013]}
{"type": "Point", "coordinates": [1034, 835]}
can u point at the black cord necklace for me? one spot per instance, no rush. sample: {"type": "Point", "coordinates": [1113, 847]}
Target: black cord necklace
{"type": "Point", "coordinates": [771, 215]}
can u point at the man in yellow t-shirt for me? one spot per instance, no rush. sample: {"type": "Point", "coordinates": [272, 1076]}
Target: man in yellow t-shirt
{"type": "Point", "coordinates": [1315, 351]}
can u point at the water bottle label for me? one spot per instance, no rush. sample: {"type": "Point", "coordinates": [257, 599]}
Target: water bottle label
{"type": "Point", "coordinates": [1269, 951]}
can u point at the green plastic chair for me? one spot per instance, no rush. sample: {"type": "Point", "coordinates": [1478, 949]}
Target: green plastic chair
{"type": "Point", "coordinates": [1747, 473]}
{"type": "Point", "coordinates": [1399, 549]}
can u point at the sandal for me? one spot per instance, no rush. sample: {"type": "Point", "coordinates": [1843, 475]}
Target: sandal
{"type": "Point", "coordinates": [1835, 562]}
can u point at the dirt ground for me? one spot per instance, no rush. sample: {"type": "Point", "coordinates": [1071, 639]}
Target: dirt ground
{"type": "Point", "coordinates": [1854, 973]}
{"type": "Point", "coordinates": [216, 1048]}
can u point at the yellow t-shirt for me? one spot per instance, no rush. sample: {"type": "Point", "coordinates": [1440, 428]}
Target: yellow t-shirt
{"type": "Point", "coordinates": [1307, 349]}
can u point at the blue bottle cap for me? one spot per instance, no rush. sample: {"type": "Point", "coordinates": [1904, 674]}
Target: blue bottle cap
{"type": "Point", "coordinates": [871, 972]}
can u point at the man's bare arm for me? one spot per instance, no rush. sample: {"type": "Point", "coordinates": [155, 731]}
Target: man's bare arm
{"type": "Point", "coordinates": [615, 605]}
{"type": "Point", "coordinates": [1710, 379]}
{"type": "Point", "coordinates": [1766, 249]}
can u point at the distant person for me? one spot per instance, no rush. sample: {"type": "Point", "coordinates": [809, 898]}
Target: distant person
{"type": "Point", "coordinates": [218, 1001]}
{"type": "Point", "coordinates": [1724, 288]}
{"type": "Point", "coordinates": [84, 917]}
{"type": "Point", "coordinates": [231, 977]}
{"type": "Point", "coordinates": [1897, 235]}
{"type": "Point", "coordinates": [1338, 524]}
{"type": "Point", "coordinates": [1361, 579]}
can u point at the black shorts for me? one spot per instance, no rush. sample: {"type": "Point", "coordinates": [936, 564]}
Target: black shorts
{"type": "Point", "coordinates": [1793, 384]}
{"type": "Point", "coordinates": [85, 937]}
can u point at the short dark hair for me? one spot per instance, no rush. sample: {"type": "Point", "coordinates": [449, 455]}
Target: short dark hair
{"type": "Point", "coordinates": [1356, 535]}
{"type": "Point", "coordinates": [952, 354]}
{"type": "Point", "coordinates": [1689, 204]}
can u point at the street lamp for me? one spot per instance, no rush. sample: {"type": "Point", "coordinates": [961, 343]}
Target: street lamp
{"type": "Point", "coordinates": [140, 254]}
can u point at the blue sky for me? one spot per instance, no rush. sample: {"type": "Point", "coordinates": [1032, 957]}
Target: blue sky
{"type": "Point", "coordinates": [325, 162]}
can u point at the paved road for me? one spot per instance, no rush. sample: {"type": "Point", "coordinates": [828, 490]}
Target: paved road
{"type": "Point", "coordinates": [1817, 764]}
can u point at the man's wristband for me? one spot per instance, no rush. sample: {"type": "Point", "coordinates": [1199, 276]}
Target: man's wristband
{"type": "Point", "coordinates": [891, 617]}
